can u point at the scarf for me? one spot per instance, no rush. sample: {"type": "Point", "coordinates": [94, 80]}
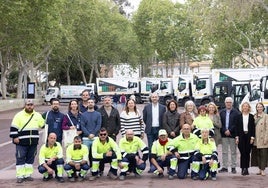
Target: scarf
{"type": "Point", "coordinates": [163, 142]}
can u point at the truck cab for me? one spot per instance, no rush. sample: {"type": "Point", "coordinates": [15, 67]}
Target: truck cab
{"type": "Point", "coordinates": [236, 90]}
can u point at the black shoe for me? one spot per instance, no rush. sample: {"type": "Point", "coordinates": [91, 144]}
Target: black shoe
{"type": "Point", "coordinates": [233, 170]}
{"type": "Point", "coordinates": [28, 178]}
{"type": "Point", "coordinates": [243, 172]}
{"type": "Point", "coordinates": [60, 179]}
{"type": "Point", "coordinates": [160, 175]}
{"type": "Point", "coordinates": [223, 170]}
{"type": "Point", "coordinates": [20, 180]}
{"type": "Point", "coordinates": [246, 171]}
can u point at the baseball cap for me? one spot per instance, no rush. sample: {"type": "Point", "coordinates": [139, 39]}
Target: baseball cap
{"type": "Point", "coordinates": [29, 101]}
{"type": "Point", "coordinates": [162, 132]}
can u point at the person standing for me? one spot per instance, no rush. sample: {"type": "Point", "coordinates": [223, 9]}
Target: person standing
{"type": "Point", "coordinates": [110, 118]}
{"type": "Point", "coordinates": [24, 134]}
{"type": "Point", "coordinates": [189, 114]}
{"type": "Point", "coordinates": [115, 100]}
{"type": "Point", "coordinates": [202, 121]}
{"type": "Point", "coordinates": [76, 160]}
{"type": "Point", "coordinates": [259, 154]}
{"type": "Point", "coordinates": [90, 125]}
{"type": "Point", "coordinates": [123, 100]}
{"type": "Point", "coordinates": [131, 120]}
{"type": "Point", "coordinates": [105, 150]}
{"type": "Point", "coordinates": [171, 119]}
{"type": "Point", "coordinates": [54, 119]}
{"type": "Point", "coordinates": [183, 147]}
{"type": "Point", "coordinates": [153, 118]}
{"type": "Point", "coordinates": [51, 159]}
{"type": "Point", "coordinates": [245, 135]}
{"type": "Point", "coordinates": [72, 120]}
{"type": "Point", "coordinates": [130, 147]}
{"type": "Point", "coordinates": [84, 103]}
{"type": "Point", "coordinates": [215, 118]}
{"type": "Point", "coordinates": [228, 117]}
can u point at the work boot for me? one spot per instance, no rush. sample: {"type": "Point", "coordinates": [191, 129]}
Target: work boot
{"type": "Point", "coordinates": [19, 180]}
{"type": "Point", "coordinates": [29, 178]}
{"type": "Point", "coordinates": [223, 170]}
{"type": "Point", "coordinates": [112, 176]}
{"type": "Point", "coordinates": [60, 179]}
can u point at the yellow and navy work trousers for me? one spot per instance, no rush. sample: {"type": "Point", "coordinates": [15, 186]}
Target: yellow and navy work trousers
{"type": "Point", "coordinates": [24, 160]}
{"type": "Point", "coordinates": [56, 165]}
{"type": "Point", "coordinates": [96, 164]}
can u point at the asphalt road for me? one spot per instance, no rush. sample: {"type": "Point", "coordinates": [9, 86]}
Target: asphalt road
{"type": "Point", "coordinates": [7, 169]}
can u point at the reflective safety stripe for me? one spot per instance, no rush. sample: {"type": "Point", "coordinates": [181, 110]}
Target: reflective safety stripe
{"type": "Point", "coordinates": [28, 170]}
{"type": "Point", "coordinates": [60, 170]}
{"type": "Point", "coordinates": [173, 163]}
{"type": "Point", "coordinates": [95, 166]}
{"type": "Point", "coordinates": [28, 136]}
{"type": "Point", "coordinates": [20, 171]}
{"type": "Point", "coordinates": [114, 164]}
{"type": "Point", "coordinates": [125, 166]}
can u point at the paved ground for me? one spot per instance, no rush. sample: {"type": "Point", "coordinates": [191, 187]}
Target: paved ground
{"type": "Point", "coordinates": [7, 170]}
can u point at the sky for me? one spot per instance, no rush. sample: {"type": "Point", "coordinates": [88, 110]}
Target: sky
{"type": "Point", "coordinates": [135, 3]}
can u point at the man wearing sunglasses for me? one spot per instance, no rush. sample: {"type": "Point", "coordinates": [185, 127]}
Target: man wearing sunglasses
{"type": "Point", "coordinates": [105, 150]}
{"type": "Point", "coordinates": [25, 135]}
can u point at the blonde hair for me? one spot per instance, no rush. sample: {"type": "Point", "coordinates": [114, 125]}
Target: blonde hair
{"type": "Point", "coordinates": [214, 105]}
{"type": "Point", "coordinates": [244, 104]}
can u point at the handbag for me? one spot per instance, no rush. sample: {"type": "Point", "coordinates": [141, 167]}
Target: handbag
{"type": "Point", "coordinates": [68, 135]}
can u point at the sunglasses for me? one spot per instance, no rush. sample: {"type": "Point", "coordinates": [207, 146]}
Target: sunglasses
{"type": "Point", "coordinates": [103, 134]}
{"type": "Point", "coordinates": [29, 104]}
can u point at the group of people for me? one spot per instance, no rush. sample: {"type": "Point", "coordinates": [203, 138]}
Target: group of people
{"type": "Point", "coordinates": [178, 141]}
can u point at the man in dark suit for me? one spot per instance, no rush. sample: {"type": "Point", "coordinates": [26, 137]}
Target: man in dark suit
{"type": "Point", "coordinates": [153, 119]}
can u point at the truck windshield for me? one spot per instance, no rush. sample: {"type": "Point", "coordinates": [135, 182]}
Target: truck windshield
{"type": "Point", "coordinates": [163, 85]}
{"type": "Point", "coordinates": [50, 91]}
{"type": "Point", "coordinates": [181, 86]}
{"type": "Point", "coordinates": [132, 84]}
{"type": "Point", "coordinates": [200, 84]}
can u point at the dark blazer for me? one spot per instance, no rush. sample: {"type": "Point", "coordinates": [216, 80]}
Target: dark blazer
{"type": "Point", "coordinates": [251, 126]}
{"type": "Point", "coordinates": [147, 117]}
{"type": "Point", "coordinates": [232, 122]}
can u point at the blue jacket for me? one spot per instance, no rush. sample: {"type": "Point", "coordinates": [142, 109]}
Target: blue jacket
{"type": "Point", "coordinates": [54, 121]}
{"type": "Point", "coordinates": [233, 120]}
{"type": "Point", "coordinates": [90, 123]}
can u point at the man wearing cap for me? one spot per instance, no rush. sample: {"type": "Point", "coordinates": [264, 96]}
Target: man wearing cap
{"type": "Point", "coordinates": [54, 119]}
{"type": "Point", "coordinates": [24, 134]}
{"type": "Point", "coordinates": [161, 157]}
{"type": "Point", "coordinates": [130, 146]}
{"type": "Point", "coordinates": [183, 147]}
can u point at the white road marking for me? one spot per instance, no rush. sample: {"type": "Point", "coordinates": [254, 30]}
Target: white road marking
{"type": "Point", "coordinates": [5, 143]}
